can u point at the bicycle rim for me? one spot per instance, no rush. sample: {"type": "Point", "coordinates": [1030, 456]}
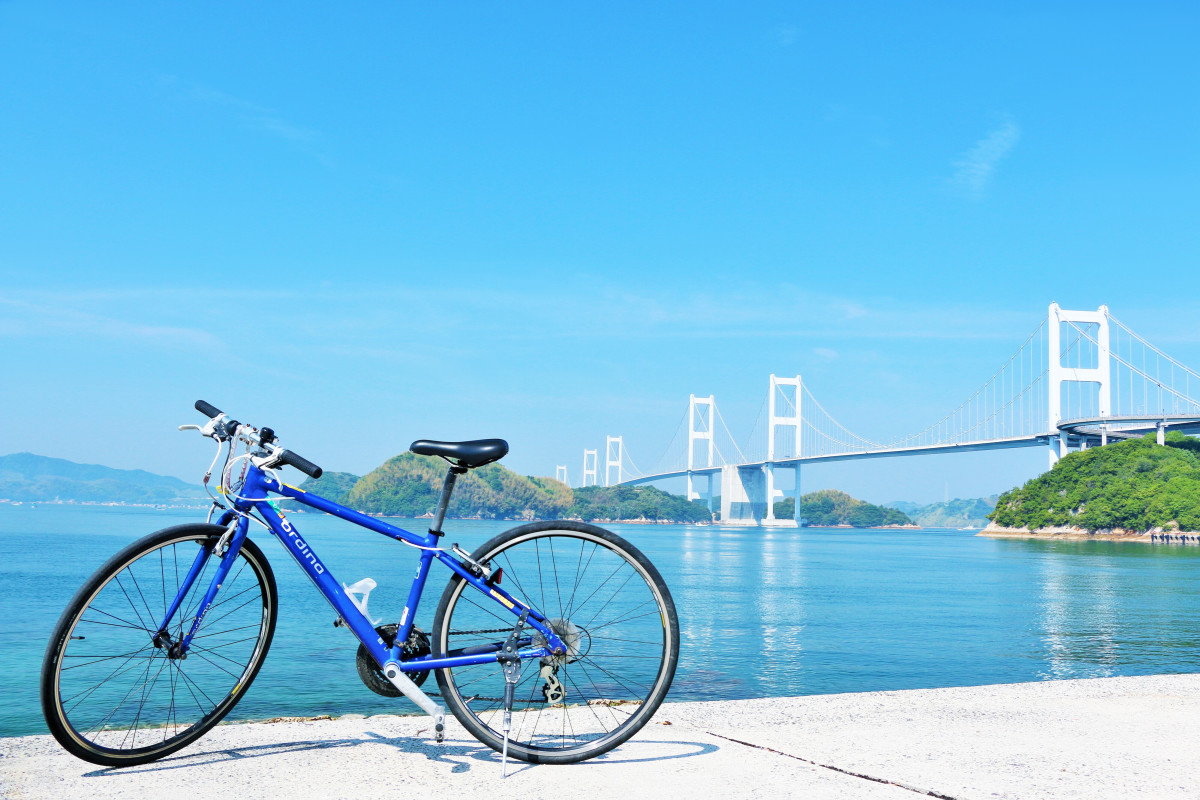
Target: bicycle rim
{"type": "Point", "coordinates": [119, 697]}
{"type": "Point", "coordinates": [610, 607]}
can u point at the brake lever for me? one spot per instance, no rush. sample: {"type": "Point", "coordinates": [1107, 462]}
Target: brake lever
{"type": "Point", "coordinates": [216, 428]}
{"type": "Point", "coordinates": [269, 459]}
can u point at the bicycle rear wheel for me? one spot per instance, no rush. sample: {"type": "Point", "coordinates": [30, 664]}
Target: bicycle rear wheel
{"type": "Point", "coordinates": [608, 604]}
{"type": "Point", "coordinates": [111, 694]}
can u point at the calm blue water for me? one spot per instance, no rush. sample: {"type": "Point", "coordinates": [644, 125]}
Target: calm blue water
{"type": "Point", "coordinates": [762, 613]}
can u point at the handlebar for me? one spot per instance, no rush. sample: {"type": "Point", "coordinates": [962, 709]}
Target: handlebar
{"type": "Point", "coordinates": [299, 462]}
{"type": "Point", "coordinates": [208, 409]}
{"type": "Point", "coordinates": [230, 428]}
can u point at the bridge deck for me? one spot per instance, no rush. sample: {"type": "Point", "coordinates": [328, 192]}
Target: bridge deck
{"type": "Point", "coordinates": [1087, 427]}
{"type": "Point", "coordinates": [989, 444]}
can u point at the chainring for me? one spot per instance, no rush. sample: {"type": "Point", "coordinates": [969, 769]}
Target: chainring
{"type": "Point", "coordinates": [372, 675]}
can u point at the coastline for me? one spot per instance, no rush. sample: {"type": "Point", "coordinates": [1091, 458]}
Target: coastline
{"type": "Point", "coordinates": [1074, 533]}
{"type": "Point", "coordinates": [1078, 739]}
{"type": "Point", "coordinates": [292, 507]}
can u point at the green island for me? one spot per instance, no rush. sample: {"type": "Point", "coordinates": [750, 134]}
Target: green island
{"type": "Point", "coordinates": [1126, 489]}
{"type": "Point", "coordinates": [410, 485]}
{"type": "Point", "coordinates": [829, 508]}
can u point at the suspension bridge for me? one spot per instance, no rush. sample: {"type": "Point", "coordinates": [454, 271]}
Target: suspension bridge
{"type": "Point", "coordinates": [1081, 379]}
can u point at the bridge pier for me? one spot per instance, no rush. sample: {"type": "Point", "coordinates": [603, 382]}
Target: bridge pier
{"type": "Point", "coordinates": [1058, 448]}
{"type": "Point", "coordinates": [743, 495]}
{"type": "Point", "coordinates": [693, 494]}
{"type": "Point", "coordinates": [773, 494]}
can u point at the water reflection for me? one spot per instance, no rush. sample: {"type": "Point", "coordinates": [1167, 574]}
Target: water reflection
{"type": "Point", "coordinates": [1079, 619]}
{"type": "Point", "coordinates": [762, 612]}
{"type": "Point", "coordinates": [810, 611]}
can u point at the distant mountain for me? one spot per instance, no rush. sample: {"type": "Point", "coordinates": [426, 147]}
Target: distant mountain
{"type": "Point", "coordinates": [29, 477]}
{"type": "Point", "coordinates": [905, 506]}
{"type": "Point", "coordinates": [410, 486]}
{"type": "Point", "coordinates": [950, 514]}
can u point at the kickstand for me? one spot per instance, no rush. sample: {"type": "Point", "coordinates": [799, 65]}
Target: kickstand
{"type": "Point", "coordinates": [512, 673]}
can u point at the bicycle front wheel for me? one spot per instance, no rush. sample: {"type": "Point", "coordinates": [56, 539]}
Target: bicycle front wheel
{"type": "Point", "coordinates": [607, 603]}
{"type": "Point", "coordinates": [115, 695]}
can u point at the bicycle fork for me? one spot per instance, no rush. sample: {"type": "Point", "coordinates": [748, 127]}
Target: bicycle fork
{"type": "Point", "coordinates": [226, 549]}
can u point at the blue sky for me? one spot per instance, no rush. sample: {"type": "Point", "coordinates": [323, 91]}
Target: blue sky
{"type": "Point", "coordinates": [550, 223]}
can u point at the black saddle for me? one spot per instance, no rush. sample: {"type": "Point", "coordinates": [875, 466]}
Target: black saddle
{"type": "Point", "coordinates": [471, 454]}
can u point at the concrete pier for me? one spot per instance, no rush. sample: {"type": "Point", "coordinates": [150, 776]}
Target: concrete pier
{"type": "Point", "coordinates": [1103, 738]}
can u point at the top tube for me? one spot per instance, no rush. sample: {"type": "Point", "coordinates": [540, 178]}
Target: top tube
{"type": "Point", "coordinates": [258, 484]}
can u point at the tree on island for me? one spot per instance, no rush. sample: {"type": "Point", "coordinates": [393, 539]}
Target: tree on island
{"type": "Point", "coordinates": [1134, 485]}
{"type": "Point", "coordinates": [829, 508]}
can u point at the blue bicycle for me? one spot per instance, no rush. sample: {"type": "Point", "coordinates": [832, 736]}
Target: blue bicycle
{"type": "Point", "coordinates": [553, 642]}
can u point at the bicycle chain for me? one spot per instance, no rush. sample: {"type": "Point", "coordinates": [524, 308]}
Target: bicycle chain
{"type": "Point", "coordinates": [468, 633]}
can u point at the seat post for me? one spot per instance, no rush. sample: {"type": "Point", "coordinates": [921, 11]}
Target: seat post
{"type": "Point", "coordinates": [444, 503]}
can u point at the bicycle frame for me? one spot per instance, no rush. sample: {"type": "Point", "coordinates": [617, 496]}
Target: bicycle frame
{"type": "Point", "coordinates": [253, 496]}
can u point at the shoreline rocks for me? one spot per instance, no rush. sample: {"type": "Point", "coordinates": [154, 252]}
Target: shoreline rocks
{"type": "Point", "coordinates": [1075, 533]}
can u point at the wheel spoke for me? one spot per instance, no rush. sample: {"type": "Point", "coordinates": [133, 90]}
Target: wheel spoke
{"type": "Point", "coordinates": [115, 687]}
{"type": "Point", "coordinates": [613, 655]}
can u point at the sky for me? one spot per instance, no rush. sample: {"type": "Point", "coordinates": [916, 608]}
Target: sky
{"type": "Point", "coordinates": [549, 223]}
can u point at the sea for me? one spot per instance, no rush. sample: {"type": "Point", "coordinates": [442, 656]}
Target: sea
{"type": "Point", "coordinates": [763, 612]}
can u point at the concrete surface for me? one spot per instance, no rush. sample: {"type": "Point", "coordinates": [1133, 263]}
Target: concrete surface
{"type": "Point", "coordinates": [1104, 738]}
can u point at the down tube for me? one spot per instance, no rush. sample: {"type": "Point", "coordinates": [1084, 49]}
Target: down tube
{"type": "Point", "coordinates": [324, 581]}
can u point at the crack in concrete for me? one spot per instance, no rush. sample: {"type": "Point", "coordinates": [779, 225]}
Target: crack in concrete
{"type": "Point", "coordinates": [885, 781]}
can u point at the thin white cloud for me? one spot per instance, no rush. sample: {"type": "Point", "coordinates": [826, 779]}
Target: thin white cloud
{"type": "Point", "coordinates": [973, 172]}
{"type": "Point", "coordinates": [786, 35]}
{"type": "Point", "coordinates": [23, 318]}
{"type": "Point", "coordinates": [256, 116]}
{"type": "Point", "coordinates": [252, 115]}
{"type": "Point", "coordinates": [825, 353]}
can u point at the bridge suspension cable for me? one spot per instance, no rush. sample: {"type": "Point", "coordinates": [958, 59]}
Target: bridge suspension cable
{"type": "Point", "coordinates": [732, 441]}
{"type": "Point", "coordinates": [834, 436]}
{"type": "Point", "coordinates": [1101, 369]}
{"type": "Point", "coordinates": [1181, 401]}
{"type": "Point", "coordinates": [1007, 404]}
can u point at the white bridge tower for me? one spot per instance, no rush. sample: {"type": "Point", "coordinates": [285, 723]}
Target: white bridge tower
{"type": "Point", "coordinates": [560, 474]}
{"type": "Point", "coordinates": [1059, 374]}
{"type": "Point", "coordinates": [589, 468]}
{"type": "Point", "coordinates": [783, 412]}
{"type": "Point", "coordinates": [614, 451]}
{"type": "Point", "coordinates": [700, 429]}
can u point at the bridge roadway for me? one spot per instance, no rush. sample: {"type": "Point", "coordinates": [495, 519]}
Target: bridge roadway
{"type": "Point", "coordinates": [1089, 428]}
{"type": "Point", "coordinates": [795, 461]}
{"type": "Point", "coordinates": [748, 490]}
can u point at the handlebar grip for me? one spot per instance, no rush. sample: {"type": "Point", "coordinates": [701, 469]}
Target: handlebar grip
{"type": "Point", "coordinates": [299, 462]}
{"type": "Point", "coordinates": [208, 409]}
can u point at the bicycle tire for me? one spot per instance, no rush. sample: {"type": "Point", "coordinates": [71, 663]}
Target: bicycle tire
{"type": "Point", "coordinates": [600, 679]}
{"type": "Point", "coordinates": [74, 704]}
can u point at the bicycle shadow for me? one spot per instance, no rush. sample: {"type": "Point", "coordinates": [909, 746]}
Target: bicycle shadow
{"type": "Point", "coordinates": [459, 756]}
